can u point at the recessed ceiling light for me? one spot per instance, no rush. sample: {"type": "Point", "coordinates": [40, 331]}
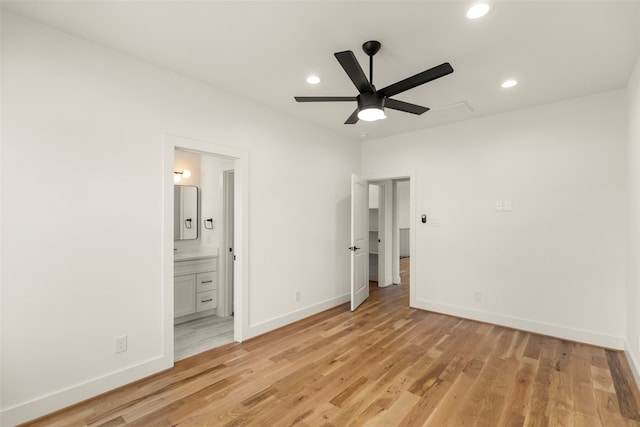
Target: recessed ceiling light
{"type": "Point", "coordinates": [509, 83]}
{"type": "Point", "coordinates": [478, 10]}
{"type": "Point", "coordinates": [313, 79]}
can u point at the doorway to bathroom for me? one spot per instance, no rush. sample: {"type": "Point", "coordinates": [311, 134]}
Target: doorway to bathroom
{"type": "Point", "coordinates": [206, 210]}
{"type": "Point", "coordinates": [202, 288]}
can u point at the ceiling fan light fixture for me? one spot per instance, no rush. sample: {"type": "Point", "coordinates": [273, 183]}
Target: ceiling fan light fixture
{"type": "Point", "coordinates": [371, 114]}
{"type": "Point", "coordinates": [478, 10]}
{"type": "Point", "coordinates": [371, 107]}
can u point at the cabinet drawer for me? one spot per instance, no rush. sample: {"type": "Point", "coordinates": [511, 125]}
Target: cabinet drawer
{"type": "Point", "coordinates": [206, 300]}
{"type": "Point", "coordinates": [181, 268]}
{"type": "Point", "coordinates": [207, 281]}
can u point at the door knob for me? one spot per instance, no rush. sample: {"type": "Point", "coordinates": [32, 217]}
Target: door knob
{"type": "Point", "coordinates": [353, 248]}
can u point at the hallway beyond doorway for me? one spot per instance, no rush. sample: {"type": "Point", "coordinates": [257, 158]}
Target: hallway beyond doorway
{"type": "Point", "coordinates": [404, 273]}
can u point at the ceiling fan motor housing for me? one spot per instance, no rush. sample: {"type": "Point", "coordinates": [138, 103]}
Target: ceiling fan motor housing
{"type": "Point", "coordinates": [370, 100]}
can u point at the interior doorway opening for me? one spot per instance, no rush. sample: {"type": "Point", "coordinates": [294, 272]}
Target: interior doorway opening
{"type": "Point", "coordinates": [389, 232]}
{"type": "Point", "coordinates": [375, 233]}
{"type": "Point", "coordinates": [211, 288]}
{"type": "Point", "coordinates": [203, 285]}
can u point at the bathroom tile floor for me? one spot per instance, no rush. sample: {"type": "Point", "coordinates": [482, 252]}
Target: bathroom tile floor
{"type": "Point", "coordinates": [202, 334]}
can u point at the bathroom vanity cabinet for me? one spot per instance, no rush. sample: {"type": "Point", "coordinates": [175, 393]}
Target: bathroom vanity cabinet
{"type": "Point", "coordinates": [195, 287]}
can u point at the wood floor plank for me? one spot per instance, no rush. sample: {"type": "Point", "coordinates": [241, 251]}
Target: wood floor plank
{"type": "Point", "coordinates": [628, 398]}
{"type": "Point", "coordinates": [383, 365]}
{"type": "Point", "coordinates": [519, 396]}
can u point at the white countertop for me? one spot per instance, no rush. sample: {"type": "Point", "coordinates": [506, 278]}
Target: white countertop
{"type": "Point", "coordinates": [192, 254]}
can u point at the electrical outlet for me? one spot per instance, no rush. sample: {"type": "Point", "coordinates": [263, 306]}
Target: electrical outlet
{"type": "Point", "coordinates": [121, 344]}
{"type": "Point", "coordinates": [499, 205]}
{"type": "Point", "coordinates": [297, 295]}
{"type": "Point", "coordinates": [477, 296]}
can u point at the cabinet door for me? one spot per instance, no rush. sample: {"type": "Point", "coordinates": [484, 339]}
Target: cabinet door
{"type": "Point", "coordinates": [184, 295]}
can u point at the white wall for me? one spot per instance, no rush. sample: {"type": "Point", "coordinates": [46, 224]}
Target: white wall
{"type": "Point", "coordinates": [190, 161]}
{"type": "Point", "coordinates": [374, 196]}
{"type": "Point", "coordinates": [184, 160]}
{"type": "Point", "coordinates": [206, 174]}
{"type": "Point", "coordinates": [633, 162]}
{"type": "Point", "coordinates": [402, 199]}
{"type": "Point", "coordinates": [212, 198]}
{"type": "Point", "coordinates": [82, 205]}
{"type": "Point", "coordinates": [556, 263]}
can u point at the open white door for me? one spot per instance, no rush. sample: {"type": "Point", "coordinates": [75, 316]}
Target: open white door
{"type": "Point", "coordinates": [359, 241]}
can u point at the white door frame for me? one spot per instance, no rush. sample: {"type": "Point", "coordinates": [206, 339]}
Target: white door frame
{"type": "Point", "coordinates": [395, 235]}
{"type": "Point", "coordinates": [411, 175]}
{"type": "Point", "coordinates": [225, 305]}
{"type": "Point", "coordinates": [380, 227]}
{"type": "Point", "coordinates": [241, 232]}
{"type": "Point", "coordinates": [385, 231]}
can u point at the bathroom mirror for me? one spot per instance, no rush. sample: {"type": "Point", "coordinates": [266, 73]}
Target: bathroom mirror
{"type": "Point", "coordinates": [185, 212]}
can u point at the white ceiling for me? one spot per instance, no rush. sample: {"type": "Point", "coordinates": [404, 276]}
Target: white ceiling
{"type": "Point", "coordinates": [263, 50]}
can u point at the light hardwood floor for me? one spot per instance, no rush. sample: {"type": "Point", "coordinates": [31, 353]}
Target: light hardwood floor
{"type": "Point", "coordinates": [202, 334]}
{"type": "Point", "coordinates": [383, 365]}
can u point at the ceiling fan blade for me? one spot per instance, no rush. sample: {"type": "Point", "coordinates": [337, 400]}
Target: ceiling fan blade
{"type": "Point", "coordinates": [404, 106]}
{"type": "Point", "coordinates": [351, 66]}
{"type": "Point", "coordinates": [417, 80]}
{"type": "Point", "coordinates": [353, 118]}
{"type": "Point", "coordinates": [324, 98]}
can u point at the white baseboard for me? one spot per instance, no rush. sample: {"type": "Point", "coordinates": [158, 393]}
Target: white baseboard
{"type": "Point", "coordinates": [557, 331]}
{"type": "Point", "coordinates": [277, 322]}
{"type": "Point", "coordinates": [63, 398]}
{"type": "Point", "coordinates": [66, 397]}
{"type": "Point", "coordinates": [633, 363]}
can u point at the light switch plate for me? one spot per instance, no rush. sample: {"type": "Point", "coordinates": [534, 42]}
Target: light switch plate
{"type": "Point", "coordinates": [499, 205]}
{"type": "Point", "coordinates": [121, 344]}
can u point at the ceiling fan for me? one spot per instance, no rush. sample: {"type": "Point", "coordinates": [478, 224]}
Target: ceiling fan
{"type": "Point", "coordinates": [372, 102]}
